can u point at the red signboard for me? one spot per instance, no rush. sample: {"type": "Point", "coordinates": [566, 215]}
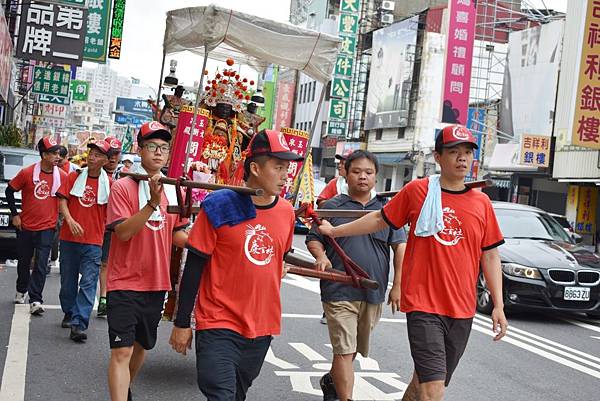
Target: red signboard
{"type": "Point", "coordinates": [285, 102]}
{"type": "Point", "coordinates": [180, 147]}
{"type": "Point", "coordinates": [298, 143]}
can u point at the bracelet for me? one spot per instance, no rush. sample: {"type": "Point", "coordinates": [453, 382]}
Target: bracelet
{"type": "Point", "coordinates": [152, 207]}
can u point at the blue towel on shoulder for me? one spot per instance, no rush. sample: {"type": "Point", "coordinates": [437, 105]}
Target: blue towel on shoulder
{"type": "Point", "coordinates": [228, 207]}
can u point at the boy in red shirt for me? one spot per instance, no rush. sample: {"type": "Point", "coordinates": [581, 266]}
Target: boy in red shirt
{"type": "Point", "coordinates": [84, 196]}
{"type": "Point", "coordinates": [238, 306]}
{"type": "Point", "coordinates": [36, 223]}
{"type": "Point", "coordinates": [139, 259]}
{"type": "Point", "coordinates": [440, 271]}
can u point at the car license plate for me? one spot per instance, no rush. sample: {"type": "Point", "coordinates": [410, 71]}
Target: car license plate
{"type": "Point", "coordinates": [4, 219]}
{"type": "Point", "coordinates": [576, 294]}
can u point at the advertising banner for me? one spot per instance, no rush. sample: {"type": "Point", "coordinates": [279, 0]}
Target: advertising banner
{"type": "Point", "coordinates": [459, 58]}
{"type": "Point", "coordinates": [535, 150]}
{"type": "Point", "coordinates": [390, 79]}
{"type": "Point", "coordinates": [180, 148]}
{"type": "Point", "coordinates": [284, 103]}
{"type": "Point", "coordinates": [6, 49]}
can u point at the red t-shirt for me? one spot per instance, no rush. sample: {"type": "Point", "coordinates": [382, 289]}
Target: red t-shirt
{"type": "Point", "coordinates": [439, 273]}
{"type": "Point", "coordinates": [142, 263]}
{"type": "Point", "coordinates": [329, 191]}
{"type": "Point", "coordinates": [240, 287]}
{"type": "Point", "coordinates": [89, 214]}
{"type": "Point", "coordinates": [39, 210]}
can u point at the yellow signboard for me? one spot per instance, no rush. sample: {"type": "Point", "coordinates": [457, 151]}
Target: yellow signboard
{"type": "Point", "coordinates": [586, 123]}
{"type": "Point", "coordinates": [586, 210]}
{"type": "Point", "coordinates": [535, 150]}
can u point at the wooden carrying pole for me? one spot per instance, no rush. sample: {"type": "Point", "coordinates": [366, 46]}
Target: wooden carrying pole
{"type": "Point", "coordinates": [195, 184]}
{"type": "Point", "coordinates": [305, 267]}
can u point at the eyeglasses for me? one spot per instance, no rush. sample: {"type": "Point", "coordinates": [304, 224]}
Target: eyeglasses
{"type": "Point", "coordinates": [152, 147]}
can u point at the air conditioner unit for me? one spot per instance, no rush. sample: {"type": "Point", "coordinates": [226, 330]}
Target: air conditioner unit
{"type": "Point", "coordinates": [387, 19]}
{"type": "Point", "coordinates": [388, 5]}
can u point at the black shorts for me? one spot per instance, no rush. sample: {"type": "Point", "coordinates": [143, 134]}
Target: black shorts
{"type": "Point", "coordinates": [133, 316]}
{"type": "Point", "coordinates": [436, 344]}
{"type": "Point", "coordinates": [106, 246]}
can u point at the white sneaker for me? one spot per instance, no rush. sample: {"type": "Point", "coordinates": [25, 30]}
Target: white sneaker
{"type": "Point", "coordinates": [36, 308]}
{"type": "Point", "coordinates": [20, 297]}
{"type": "Point", "coordinates": [323, 319]}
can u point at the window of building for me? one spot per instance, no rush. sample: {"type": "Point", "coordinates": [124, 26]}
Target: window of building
{"type": "Point", "coordinates": [314, 89]}
{"type": "Point", "coordinates": [401, 132]}
{"type": "Point", "coordinates": [301, 92]}
{"type": "Point", "coordinates": [378, 134]}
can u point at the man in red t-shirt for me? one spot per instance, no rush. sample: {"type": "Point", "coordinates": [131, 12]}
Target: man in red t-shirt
{"type": "Point", "coordinates": [240, 261]}
{"type": "Point", "coordinates": [84, 196]}
{"type": "Point", "coordinates": [114, 154]}
{"type": "Point", "coordinates": [36, 223]}
{"type": "Point", "coordinates": [139, 259]}
{"type": "Point", "coordinates": [440, 271]}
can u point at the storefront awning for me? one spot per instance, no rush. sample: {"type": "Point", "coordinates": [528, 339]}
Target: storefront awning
{"type": "Point", "coordinates": [505, 157]}
{"type": "Point", "coordinates": [392, 158]}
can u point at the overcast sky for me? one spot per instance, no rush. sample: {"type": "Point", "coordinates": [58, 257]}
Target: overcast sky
{"type": "Point", "coordinates": [144, 28]}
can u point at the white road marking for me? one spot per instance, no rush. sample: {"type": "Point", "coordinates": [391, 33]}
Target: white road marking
{"type": "Point", "coordinates": [280, 363]}
{"type": "Point", "coordinates": [597, 338]}
{"type": "Point", "coordinates": [15, 366]}
{"type": "Point", "coordinates": [308, 352]}
{"type": "Point", "coordinates": [365, 363]}
{"type": "Point", "coordinates": [308, 316]}
{"type": "Point", "coordinates": [563, 361]}
{"type": "Point", "coordinates": [538, 340]}
{"type": "Point", "coordinates": [582, 324]}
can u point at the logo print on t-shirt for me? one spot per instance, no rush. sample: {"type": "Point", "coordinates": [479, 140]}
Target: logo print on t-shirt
{"type": "Point", "coordinates": [41, 190]}
{"type": "Point", "coordinates": [157, 225]}
{"type": "Point", "coordinates": [89, 197]}
{"type": "Point", "coordinates": [452, 232]}
{"type": "Point", "coordinates": [258, 247]}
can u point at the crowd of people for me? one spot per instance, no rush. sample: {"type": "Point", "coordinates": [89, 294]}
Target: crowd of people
{"type": "Point", "coordinates": [118, 232]}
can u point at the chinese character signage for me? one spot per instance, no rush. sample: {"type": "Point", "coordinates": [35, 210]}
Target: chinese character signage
{"type": "Point", "coordinates": [54, 99]}
{"type": "Point", "coordinates": [336, 128]}
{"type": "Point", "coordinates": [49, 122]}
{"type": "Point", "coordinates": [298, 142]}
{"type": "Point", "coordinates": [96, 39]}
{"type": "Point", "coordinates": [182, 138]}
{"type": "Point", "coordinates": [285, 99]}
{"type": "Point", "coordinates": [116, 33]}
{"type": "Point", "coordinates": [81, 90]}
{"type": "Point", "coordinates": [53, 110]}
{"type": "Point", "coordinates": [535, 150]}
{"type": "Point", "coordinates": [586, 122]}
{"type": "Point", "coordinates": [52, 33]}
{"type": "Point", "coordinates": [6, 49]}
{"type": "Point", "coordinates": [51, 81]}
{"type": "Point", "coordinates": [459, 57]}
{"type": "Point", "coordinates": [586, 211]}
{"type": "Point", "coordinates": [348, 28]}
{"type": "Point", "coordinates": [131, 111]}
{"type": "Point", "coordinates": [340, 88]}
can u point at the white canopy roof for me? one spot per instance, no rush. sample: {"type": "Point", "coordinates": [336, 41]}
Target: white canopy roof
{"type": "Point", "coordinates": [250, 40]}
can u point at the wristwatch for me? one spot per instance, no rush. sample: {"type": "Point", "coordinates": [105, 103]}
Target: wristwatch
{"type": "Point", "coordinates": [155, 208]}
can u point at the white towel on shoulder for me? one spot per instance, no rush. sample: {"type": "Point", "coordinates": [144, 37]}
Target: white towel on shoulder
{"type": "Point", "coordinates": [431, 218]}
{"type": "Point", "coordinates": [103, 186]}
{"type": "Point", "coordinates": [144, 194]}
{"type": "Point", "coordinates": [37, 169]}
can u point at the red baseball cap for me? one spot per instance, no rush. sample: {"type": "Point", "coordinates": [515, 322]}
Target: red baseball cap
{"type": "Point", "coordinates": [114, 143]}
{"type": "Point", "coordinates": [48, 144]}
{"type": "Point", "coordinates": [344, 155]}
{"type": "Point", "coordinates": [152, 130]}
{"type": "Point", "coordinates": [271, 143]}
{"type": "Point", "coordinates": [453, 135]}
{"type": "Point", "coordinates": [101, 145]}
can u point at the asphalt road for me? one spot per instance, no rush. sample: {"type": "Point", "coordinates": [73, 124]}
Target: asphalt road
{"type": "Point", "coordinates": [549, 358]}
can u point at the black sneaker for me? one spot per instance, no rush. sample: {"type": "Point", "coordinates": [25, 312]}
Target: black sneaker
{"type": "Point", "coordinates": [328, 388]}
{"type": "Point", "coordinates": [77, 335]}
{"type": "Point", "coordinates": [101, 307]}
{"type": "Point", "coordinates": [66, 322]}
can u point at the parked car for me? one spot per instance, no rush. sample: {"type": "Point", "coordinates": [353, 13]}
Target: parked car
{"type": "Point", "coordinates": [12, 161]}
{"type": "Point", "coordinates": [562, 220]}
{"type": "Point", "coordinates": [542, 266]}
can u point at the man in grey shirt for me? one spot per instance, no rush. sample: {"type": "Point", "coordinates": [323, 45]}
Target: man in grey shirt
{"type": "Point", "coordinates": [352, 313]}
